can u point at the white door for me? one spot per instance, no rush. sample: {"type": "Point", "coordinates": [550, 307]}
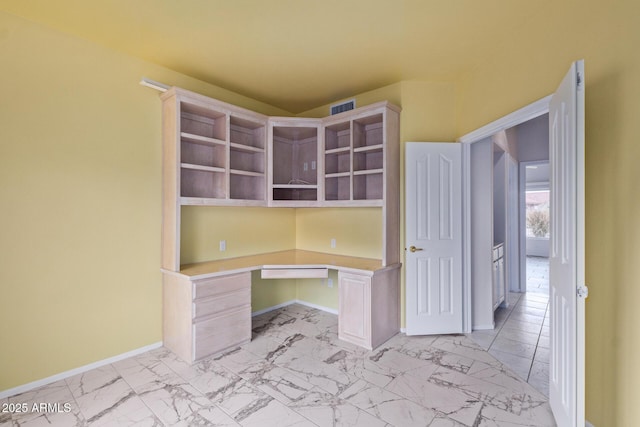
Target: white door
{"type": "Point", "coordinates": [433, 207]}
{"type": "Point", "coordinates": [566, 263]}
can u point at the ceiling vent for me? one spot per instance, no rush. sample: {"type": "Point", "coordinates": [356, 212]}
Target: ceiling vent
{"type": "Point", "coordinates": [343, 106]}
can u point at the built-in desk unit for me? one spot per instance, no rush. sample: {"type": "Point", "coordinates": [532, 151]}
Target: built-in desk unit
{"type": "Point", "coordinates": [218, 154]}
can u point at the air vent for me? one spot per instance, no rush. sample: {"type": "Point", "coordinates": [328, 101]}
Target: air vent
{"type": "Point", "coordinates": [343, 106]}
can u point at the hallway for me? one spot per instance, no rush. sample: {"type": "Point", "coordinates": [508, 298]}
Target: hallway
{"type": "Point", "coordinates": [520, 339]}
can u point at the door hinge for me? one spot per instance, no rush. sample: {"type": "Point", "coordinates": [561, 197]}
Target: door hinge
{"type": "Point", "coordinates": [583, 291]}
{"type": "Point", "coordinates": [579, 81]}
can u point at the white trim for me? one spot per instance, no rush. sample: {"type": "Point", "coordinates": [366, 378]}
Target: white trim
{"type": "Point", "coordinates": [487, 327]}
{"type": "Point", "coordinates": [522, 115]}
{"type": "Point", "coordinates": [295, 301]}
{"type": "Point", "coordinates": [161, 87]}
{"type": "Point", "coordinates": [275, 307]}
{"type": "Point", "coordinates": [467, 303]}
{"type": "Point", "coordinates": [61, 376]}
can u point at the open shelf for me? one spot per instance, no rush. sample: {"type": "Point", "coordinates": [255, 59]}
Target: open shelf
{"type": "Point", "coordinates": [202, 183]}
{"type": "Point", "coordinates": [368, 186]}
{"type": "Point", "coordinates": [295, 177]}
{"type": "Point", "coordinates": [213, 155]}
{"type": "Point", "coordinates": [337, 162]}
{"type": "Point", "coordinates": [246, 186]}
{"type": "Point", "coordinates": [337, 136]}
{"type": "Point", "coordinates": [337, 187]}
{"type": "Point", "coordinates": [201, 140]}
{"type": "Point", "coordinates": [247, 133]}
{"type": "Point", "coordinates": [202, 121]}
{"type": "Point", "coordinates": [368, 131]}
{"type": "Point", "coordinates": [367, 160]}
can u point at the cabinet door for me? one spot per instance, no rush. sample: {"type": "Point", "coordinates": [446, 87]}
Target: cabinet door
{"type": "Point", "coordinates": [354, 312]}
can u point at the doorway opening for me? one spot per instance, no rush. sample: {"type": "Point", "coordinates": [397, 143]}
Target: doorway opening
{"type": "Point", "coordinates": [516, 331]}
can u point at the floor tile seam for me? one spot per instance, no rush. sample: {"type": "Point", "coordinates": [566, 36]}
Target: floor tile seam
{"type": "Point", "coordinates": [187, 382]}
{"type": "Point", "coordinates": [244, 382]}
{"type": "Point", "coordinates": [368, 411]}
{"type": "Point", "coordinates": [287, 405]}
{"type": "Point", "coordinates": [75, 398]}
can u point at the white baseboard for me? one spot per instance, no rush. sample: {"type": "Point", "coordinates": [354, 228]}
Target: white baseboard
{"type": "Point", "coordinates": [588, 424]}
{"type": "Point", "coordinates": [275, 307]}
{"type": "Point", "coordinates": [295, 301]}
{"type": "Point", "coordinates": [318, 307]}
{"type": "Point", "coordinates": [487, 327]}
{"type": "Point", "coordinates": [61, 376]}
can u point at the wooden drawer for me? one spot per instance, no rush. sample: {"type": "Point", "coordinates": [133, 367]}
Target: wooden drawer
{"type": "Point", "coordinates": [221, 285]}
{"type": "Point", "coordinates": [220, 332]}
{"type": "Point", "coordinates": [219, 303]}
{"type": "Point", "coordinates": [294, 273]}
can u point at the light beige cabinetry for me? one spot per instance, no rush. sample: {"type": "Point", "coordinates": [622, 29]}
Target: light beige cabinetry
{"type": "Point", "coordinates": [217, 154]}
{"type": "Point", "coordinates": [294, 146]}
{"type": "Point", "coordinates": [214, 153]}
{"type": "Point", "coordinates": [206, 316]}
{"type": "Point", "coordinates": [361, 161]}
{"type": "Point", "coordinates": [369, 306]}
{"type": "Point", "coordinates": [359, 156]}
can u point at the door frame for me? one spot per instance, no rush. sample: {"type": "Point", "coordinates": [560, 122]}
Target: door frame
{"type": "Point", "coordinates": [520, 116]}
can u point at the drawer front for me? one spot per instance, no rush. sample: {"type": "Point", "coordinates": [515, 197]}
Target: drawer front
{"type": "Point", "coordinates": [219, 303]}
{"type": "Point", "coordinates": [294, 273]}
{"type": "Point", "coordinates": [221, 285]}
{"type": "Point", "coordinates": [218, 333]}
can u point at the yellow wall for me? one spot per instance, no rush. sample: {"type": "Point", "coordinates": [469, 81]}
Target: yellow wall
{"type": "Point", "coordinates": [528, 66]}
{"type": "Point", "coordinates": [80, 185]}
{"type": "Point", "coordinates": [80, 188]}
{"type": "Point", "coordinates": [358, 231]}
{"type": "Point", "coordinates": [246, 230]}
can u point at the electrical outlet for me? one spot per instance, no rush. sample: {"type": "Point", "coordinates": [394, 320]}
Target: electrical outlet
{"type": "Point", "coordinates": [333, 243]}
{"type": "Point", "coordinates": [305, 166]}
{"type": "Point", "coordinates": [313, 165]}
{"type": "Point", "coordinates": [330, 283]}
{"type": "Point", "coordinates": [223, 245]}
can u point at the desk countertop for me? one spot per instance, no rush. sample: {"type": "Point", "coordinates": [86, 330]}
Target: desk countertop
{"type": "Point", "coordinates": [294, 258]}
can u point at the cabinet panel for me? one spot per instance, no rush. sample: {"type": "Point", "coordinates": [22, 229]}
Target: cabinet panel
{"type": "Point", "coordinates": [220, 285]}
{"type": "Point", "coordinates": [221, 332]}
{"type": "Point", "coordinates": [354, 320]}
{"type": "Point", "coordinates": [220, 303]}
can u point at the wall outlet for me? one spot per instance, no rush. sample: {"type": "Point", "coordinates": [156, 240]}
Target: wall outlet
{"type": "Point", "coordinates": [223, 245]}
{"type": "Point", "coordinates": [333, 243]}
{"type": "Point", "coordinates": [330, 283]}
{"type": "Point", "coordinates": [313, 165]}
{"type": "Point", "coordinates": [305, 166]}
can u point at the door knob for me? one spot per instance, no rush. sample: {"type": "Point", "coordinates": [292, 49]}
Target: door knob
{"type": "Point", "coordinates": [414, 249]}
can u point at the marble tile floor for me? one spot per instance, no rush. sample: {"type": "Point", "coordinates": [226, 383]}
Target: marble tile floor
{"type": "Point", "coordinates": [295, 372]}
{"type": "Point", "coordinates": [520, 339]}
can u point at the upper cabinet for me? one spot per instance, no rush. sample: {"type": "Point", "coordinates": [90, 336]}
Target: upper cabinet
{"type": "Point", "coordinates": [218, 151]}
{"type": "Point", "coordinates": [361, 156]}
{"type": "Point", "coordinates": [294, 146]}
